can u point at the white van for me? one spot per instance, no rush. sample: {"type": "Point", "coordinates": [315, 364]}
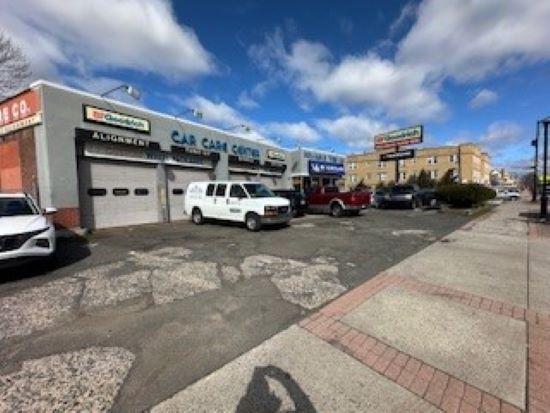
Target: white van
{"type": "Point", "coordinates": [249, 202]}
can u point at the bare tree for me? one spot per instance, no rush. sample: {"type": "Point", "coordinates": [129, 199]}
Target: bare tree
{"type": "Point", "coordinates": [14, 67]}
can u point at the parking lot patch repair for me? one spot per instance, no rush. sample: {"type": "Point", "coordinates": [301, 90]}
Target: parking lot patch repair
{"type": "Point", "coordinates": [167, 275]}
{"type": "Point", "coordinates": [84, 380]}
{"type": "Point", "coordinates": [38, 308]}
{"type": "Point", "coordinates": [305, 284]}
{"type": "Point", "coordinates": [185, 280]}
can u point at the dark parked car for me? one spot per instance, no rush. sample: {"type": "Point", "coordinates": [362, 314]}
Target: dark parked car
{"type": "Point", "coordinates": [402, 196]}
{"type": "Point", "coordinates": [427, 199]}
{"type": "Point", "coordinates": [298, 202]}
{"type": "Point", "coordinates": [378, 197]}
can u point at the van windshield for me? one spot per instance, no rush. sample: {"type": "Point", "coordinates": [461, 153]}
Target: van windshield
{"type": "Point", "coordinates": [258, 191]}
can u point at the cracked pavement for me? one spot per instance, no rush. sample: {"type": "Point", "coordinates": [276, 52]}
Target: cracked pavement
{"type": "Point", "coordinates": [133, 315]}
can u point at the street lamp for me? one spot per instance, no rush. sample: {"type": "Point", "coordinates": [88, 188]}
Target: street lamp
{"type": "Point", "coordinates": [240, 125]}
{"type": "Point", "coordinates": [195, 112]}
{"type": "Point", "coordinates": [129, 89]}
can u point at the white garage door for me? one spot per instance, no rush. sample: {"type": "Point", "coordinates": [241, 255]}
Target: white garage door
{"type": "Point", "coordinates": [178, 180]}
{"type": "Point", "coordinates": [116, 194]}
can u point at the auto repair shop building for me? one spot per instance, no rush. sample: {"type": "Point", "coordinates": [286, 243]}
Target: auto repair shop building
{"type": "Point", "coordinates": [104, 163]}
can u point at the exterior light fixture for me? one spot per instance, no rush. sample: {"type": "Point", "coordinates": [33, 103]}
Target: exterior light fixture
{"type": "Point", "coordinates": [129, 89]}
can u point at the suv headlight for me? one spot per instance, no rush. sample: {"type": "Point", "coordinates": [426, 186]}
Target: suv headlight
{"type": "Point", "coordinates": [270, 210]}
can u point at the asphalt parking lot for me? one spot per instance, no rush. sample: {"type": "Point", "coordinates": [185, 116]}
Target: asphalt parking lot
{"type": "Point", "coordinates": [148, 310]}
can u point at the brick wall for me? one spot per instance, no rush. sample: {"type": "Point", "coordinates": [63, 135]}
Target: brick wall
{"type": "Point", "coordinates": [18, 163]}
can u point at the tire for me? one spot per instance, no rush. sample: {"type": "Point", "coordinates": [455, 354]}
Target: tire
{"type": "Point", "coordinates": [196, 216]}
{"type": "Point", "coordinates": [336, 210]}
{"type": "Point", "coordinates": [252, 222]}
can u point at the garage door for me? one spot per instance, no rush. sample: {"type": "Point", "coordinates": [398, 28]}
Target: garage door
{"type": "Point", "coordinates": [178, 180]}
{"type": "Point", "coordinates": [116, 194]}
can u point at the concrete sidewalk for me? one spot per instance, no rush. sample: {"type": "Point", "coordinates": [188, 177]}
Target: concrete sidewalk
{"type": "Point", "coordinates": [463, 325]}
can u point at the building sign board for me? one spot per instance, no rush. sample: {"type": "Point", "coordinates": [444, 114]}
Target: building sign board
{"type": "Point", "coordinates": [398, 155]}
{"type": "Point", "coordinates": [275, 155]}
{"type": "Point", "coordinates": [326, 168]}
{"type": "Point", "coordinates": [21, 124]}
{"type": "Point", "coordinates": [317, 156]}
{"type": "Point", "coordinates": [99, 136]}
{"type": "Point", "coordinates": [20, 111]}
{"type": "Point", "coordinates": [116, 119]}
{"type": "Point", "coordinates": [400, 137]}
{"type": "Point", "coordinates": [95, 149]}
{"type": "Point", "coordinates": [215, 145]}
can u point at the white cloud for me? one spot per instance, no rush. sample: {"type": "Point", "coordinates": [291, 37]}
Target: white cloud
{"type": "Point", "coordinates": [483, 98]}
{"type": "Point", "coordinates": [501, 134]}
{"type": "Point", "coordinates": [298, 131]}
{"type": "Point", "coordinates": [357, 132]}
{"type": "Point", "coordinates": [355, 80]}
{"type": "Point", "coordinates": [468, 40]}
{"type": "Point", "coordinates": [218, 113]}
{"type": "Point", "coordinates": [461, 40]}
{"type": "Point", "coordinates": [406, 16]}
{"type": "Point", "coordinates": [84, 36]}
{"type": "Point", "coordinates": [246, 101]}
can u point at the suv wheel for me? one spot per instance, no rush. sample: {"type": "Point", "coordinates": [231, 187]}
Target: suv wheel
{"type": "Point", "coordinates": [197, 217]}
{"type": "Point", "coordinates": [252, 222]}
{"type": "Point", "coordinates": [336, 210]}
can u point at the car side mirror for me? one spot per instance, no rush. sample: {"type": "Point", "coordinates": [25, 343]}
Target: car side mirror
{"type": "Point", "coordinates": [50, 211]}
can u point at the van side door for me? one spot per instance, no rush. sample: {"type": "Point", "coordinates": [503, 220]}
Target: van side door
{"type": "Point", "coordinates": [220, 206]}
{"type": "Point", "coordinates": [236, 203]}
{"type": "Point", "coordinates": [207, 202]}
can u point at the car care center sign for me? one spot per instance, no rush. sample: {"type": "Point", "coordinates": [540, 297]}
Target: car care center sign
{"type": "Point", "coordinates": [400, 137]}
{"type": "Point", "coordinates": [119, 120]}
{"type": "Point", "coordinates": [20, 111]}
{"type": "Point", "coordinates": [326, 168]}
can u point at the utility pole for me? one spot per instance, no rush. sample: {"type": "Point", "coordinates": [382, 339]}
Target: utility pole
{"type": "Point", "coordinates": [535, 143]}
{"type": "Point", "coordinates": [397, 167]}
{"type": "Point", "coordinates": [544, 196]}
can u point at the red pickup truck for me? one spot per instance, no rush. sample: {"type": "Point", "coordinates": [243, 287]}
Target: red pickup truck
{"type": "Point", "coordinates": [329, 199]}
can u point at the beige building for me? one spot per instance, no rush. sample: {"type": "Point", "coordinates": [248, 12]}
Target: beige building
{"type": "Point", "coordinates": [467, 161]}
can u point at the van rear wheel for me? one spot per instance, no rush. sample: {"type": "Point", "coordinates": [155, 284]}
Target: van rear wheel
{"type": "Point", "coordinates": [197, 217]}
{"type": "Point", "coordinates": [252, 222]}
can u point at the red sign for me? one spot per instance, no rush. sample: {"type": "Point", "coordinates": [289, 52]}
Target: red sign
{"type": "Point", "coordinates": [19, 107]}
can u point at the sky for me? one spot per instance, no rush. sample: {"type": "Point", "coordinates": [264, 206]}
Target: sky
{"type": "Point", "coordinates": [322, 74]}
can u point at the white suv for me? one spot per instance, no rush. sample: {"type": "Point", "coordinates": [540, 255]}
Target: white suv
{"type": "Point", "coordinates": [25, 232]}
{"type": "Point", "coordinates": [249, 202]}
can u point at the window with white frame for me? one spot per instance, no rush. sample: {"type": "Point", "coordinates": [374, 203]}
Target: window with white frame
{"type": "Point", "coordinates": [401, 162]}
{"type": "Point", "coordinates": [353, 179]}
{"type": "Point", "coordinates": [381, 177]}
{"type": "Point", "coordinates": [433, 174]}
{"type": "Point", "coordinates": [381, 164]}
{"type": "Point", "coordinates": [352, 166]}
{"type": "Point", "coordinates": [402, 176]}
{"type": "Point", "coordinates": [432, 160]}
{"type": "Point", "coordinates": [453, 158]}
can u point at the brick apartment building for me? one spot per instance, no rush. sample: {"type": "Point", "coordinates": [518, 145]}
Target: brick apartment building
{"type": "Point", "coordinates": [468, 162]}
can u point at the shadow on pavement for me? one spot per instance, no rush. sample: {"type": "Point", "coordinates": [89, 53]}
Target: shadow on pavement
{"type": "Point", "coordinates": [259, 397]}
{"type": "Point", "coordinates": [69, 251]}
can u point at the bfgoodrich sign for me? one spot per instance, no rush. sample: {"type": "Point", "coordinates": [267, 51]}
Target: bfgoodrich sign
{"type": "Point", "coordinates": [400, 137]}
{"type": "Point", "coordinates": [119, 120]}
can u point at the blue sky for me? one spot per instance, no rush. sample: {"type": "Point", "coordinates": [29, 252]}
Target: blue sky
{"type": "Point", "coordinates": [314, 73]}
